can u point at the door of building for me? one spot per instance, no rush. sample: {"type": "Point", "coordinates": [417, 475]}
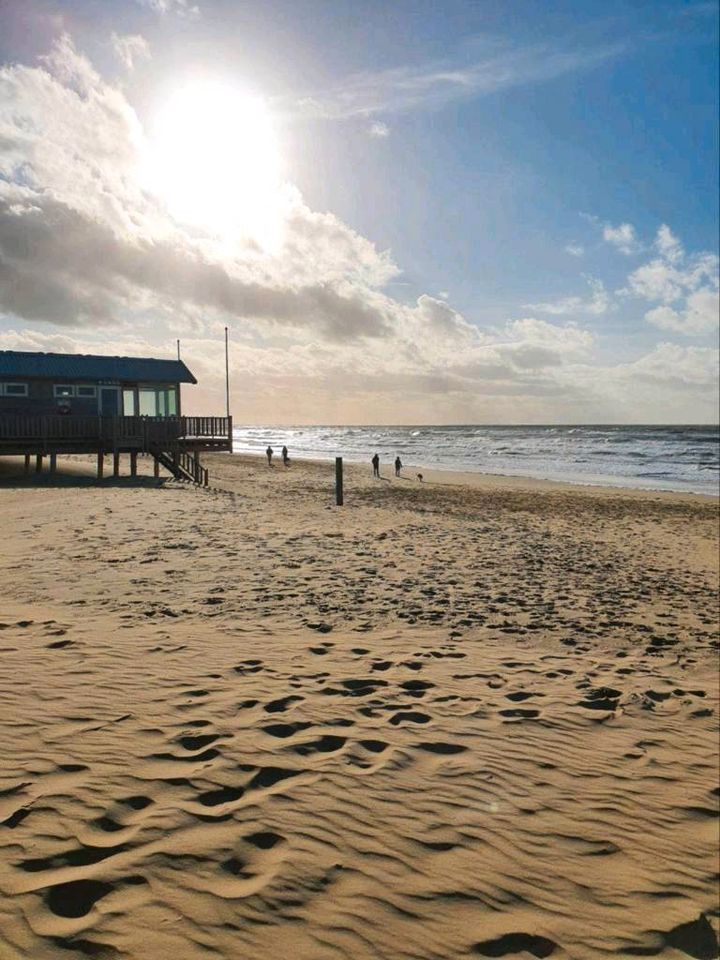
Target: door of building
{"type": "Point", "coordinates": [109, 401]}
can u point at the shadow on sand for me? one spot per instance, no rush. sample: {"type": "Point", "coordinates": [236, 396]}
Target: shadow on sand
{"type": "Point", "coordinates": [11, 477]}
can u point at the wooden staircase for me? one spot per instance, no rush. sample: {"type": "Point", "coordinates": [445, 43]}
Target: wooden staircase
{"type": "Point", "coordinates": [182, 464]}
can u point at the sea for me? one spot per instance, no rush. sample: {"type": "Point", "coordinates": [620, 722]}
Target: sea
{"type": "Point", "coordinates": [680, 458]}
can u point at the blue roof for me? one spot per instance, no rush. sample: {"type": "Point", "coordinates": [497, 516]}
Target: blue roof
{"type": "Point", "coordinates": [79, 366]}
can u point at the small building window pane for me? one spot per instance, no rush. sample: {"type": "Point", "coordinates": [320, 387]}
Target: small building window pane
{"type": "Point", "coordinates": [15, 390]}
{"type": "Point", "coordinates": [86, 391]}
{"type": "Point", "coordinates": [129, 408]}
{"type": "Point", "coordinates": [64, 390]}
{"type": "Point", "coordinates": [148, 402]}
{"type": "Point", "coordinates": [171, 402]}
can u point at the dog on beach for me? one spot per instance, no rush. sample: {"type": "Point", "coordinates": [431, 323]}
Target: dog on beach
{"type": "Point", "coordinates": [420, 477]}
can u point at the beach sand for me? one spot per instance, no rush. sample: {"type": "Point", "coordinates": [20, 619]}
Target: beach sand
{"type": "Point", "coordinates": [473, 717]}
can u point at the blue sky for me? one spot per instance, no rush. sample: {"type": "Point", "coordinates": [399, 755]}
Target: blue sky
{"type": "Point", "coordinates": [495, 149]}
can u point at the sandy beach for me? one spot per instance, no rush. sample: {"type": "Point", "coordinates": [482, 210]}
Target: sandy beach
{"type": "Point", "coordinates": [468, 717]}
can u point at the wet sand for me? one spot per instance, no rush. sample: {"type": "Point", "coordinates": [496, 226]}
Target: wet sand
{"type": "Point", "coordinates": [473, 717]}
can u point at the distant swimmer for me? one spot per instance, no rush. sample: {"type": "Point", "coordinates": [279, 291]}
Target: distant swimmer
{"type": "Point", "coordinates": [269, 454]}
{"type": "Point", "coordinates": [376, 466]}
{"type": "Point", "coordinates": [285, 457]}
{"type": "Point", "coordinates": [398, 466]}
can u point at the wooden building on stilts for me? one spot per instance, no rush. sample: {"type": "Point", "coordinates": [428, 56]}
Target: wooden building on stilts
{"type": "Point", "coordinates": [54, 403]}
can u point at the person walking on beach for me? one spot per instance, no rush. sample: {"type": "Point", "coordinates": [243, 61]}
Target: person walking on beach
{"type": "Point", "coordinates": [269, 454]}
{"type": "Point", "coordinates": [285, 457]}
{"type": "Point", "coordinates": [398, 466]}
{"type": "Point", "coordinates": [376, 466]}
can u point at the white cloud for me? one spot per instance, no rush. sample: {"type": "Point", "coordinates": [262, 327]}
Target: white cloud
{"type": "Point", "coordinates": [668, 245]}
{"type": "Point", "coordinates": [80, 239]}
{"type": "Point", "coordinates": [698, 316]}
{"type": "Point", "coordinates": [379, 130]}
{"type": "Point", "coordinates": [685, 287]}
{"type": "Point", "coordinates": [596, 304]}
{"type": "Point", "coordinates": [129, 48]}
{"type": "Point", "coordinates": [622, 237]}
{"type": "Point", "coordinates": [181, 8]}
{"type": "Point", "coordinates": [401, 89]}
{"type": "Point", "coordinates": [575, 250]}
{"type": "Point", "coordinates": [670, 363]}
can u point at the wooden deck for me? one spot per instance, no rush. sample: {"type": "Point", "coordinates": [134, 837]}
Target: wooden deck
{"type": "Point", "coordinates": [70, 434]}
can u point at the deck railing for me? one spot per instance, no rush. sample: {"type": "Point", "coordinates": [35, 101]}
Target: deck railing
{"type": "Point", "coordinates": [143, 432]}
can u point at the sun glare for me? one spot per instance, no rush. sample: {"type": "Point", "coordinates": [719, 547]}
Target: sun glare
{"type": "Point", "coordinates": [213, 157]}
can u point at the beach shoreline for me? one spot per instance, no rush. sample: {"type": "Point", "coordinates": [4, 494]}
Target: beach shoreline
{"type": "Point", "coordinates": [659, 457]}
{"type": "Point", "coordinates": [480, 478]}
{"type": "Point", "coordinates": [83, 466]}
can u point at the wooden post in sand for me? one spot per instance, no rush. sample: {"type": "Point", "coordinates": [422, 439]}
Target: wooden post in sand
{"type": "Point", "coordinates": [133, 463]}
{"type": "Point", "coordinates": [53, 462]}
{"type": "Point", "coordinates": [338, 481]}
{"type": "Point", "coordinates": [156, 467]}
{"type": "Point", "coordinates": [100, 464]}
{"type": "Point", "coordinates": [116, 464]}
{"type": "Point", "coordinates": [27, 463]}
{"type": "Point", "coordinates": [38, 463]}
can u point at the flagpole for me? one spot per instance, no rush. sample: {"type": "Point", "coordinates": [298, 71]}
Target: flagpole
{"type": "Point", "coordinates": [227, 375]}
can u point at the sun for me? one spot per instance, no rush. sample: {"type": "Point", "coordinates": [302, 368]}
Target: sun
{"type": "Point", "coordinates": [213, 157]}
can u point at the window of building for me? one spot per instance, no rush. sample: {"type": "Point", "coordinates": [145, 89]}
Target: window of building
{"type": "Point", "coordinates": [158, 401]}
{"type": "Point", "coordinates": [14, 389]}
{"type": "Point", "coordinates": [61, 390]}
{"type": "Point", "coordinates": [86, 391]}
{"type": "Point", "coordinates": [129, 404]}
{"type": "Point", "coordinates": [148, 401]}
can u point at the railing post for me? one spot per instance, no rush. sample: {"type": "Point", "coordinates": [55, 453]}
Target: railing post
{"type": "Point", "coordinates": [230, 433]}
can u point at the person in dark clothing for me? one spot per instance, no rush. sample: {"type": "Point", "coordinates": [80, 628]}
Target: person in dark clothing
{"type": "Point", "coordinates": [398, 466]}
{"type": "Point", "coordinates": [269, 454]}
{"type": "Point", "coordinates": [376, 466]}
{"type": "Point", "coordinates": [285, 457]}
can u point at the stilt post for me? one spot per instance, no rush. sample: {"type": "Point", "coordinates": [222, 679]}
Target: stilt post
{"type": "Point", "coordinates": [156, 467]}
{"type": "Point", "coordinates": [339, 481]}
{"type": "Point", "coordinates": [27, 463]}
{"type": "Point", "coordinates": [38, 463]}
{"type": "Point", "coordinates": [100, 464]}
{"type": "Point", "coordinates": [53, 463]}
{"type": "Point", "coordinates": [116, 464]}
{"type": "Point", "coordinates": [133, 463]}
